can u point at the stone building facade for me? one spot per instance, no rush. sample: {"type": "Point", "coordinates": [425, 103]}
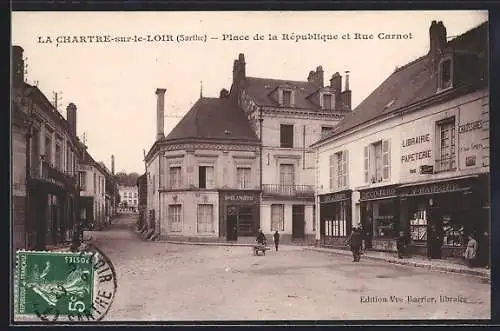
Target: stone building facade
{"type": "Point", "coordinates": [414, 155]}
{"type": "Point", "coordinates": [288, 116]}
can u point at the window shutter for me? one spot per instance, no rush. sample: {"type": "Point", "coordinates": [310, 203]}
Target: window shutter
{"type": "Point", "coordinates": [345, 167]}
{"type": "Point", "coordinates": [209, 177]}
{"type": "Point", "coordinates": [366, 160]}
{"type": "Point", "coordinates": [386, 159]}
{"type": "Point", "coordinates": [332, 171]}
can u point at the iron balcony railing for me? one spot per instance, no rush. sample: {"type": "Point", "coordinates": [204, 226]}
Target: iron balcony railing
{"type": "Point", "coordinates": [48, 172]}
{"type": "Point", "coordinates": [288, 190]}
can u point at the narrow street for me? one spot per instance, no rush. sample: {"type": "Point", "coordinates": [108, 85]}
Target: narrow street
{"type": "Point", "coordinates": [164, 282]}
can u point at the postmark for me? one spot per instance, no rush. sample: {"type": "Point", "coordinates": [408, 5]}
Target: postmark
{"type": "Point", "coordinates": [64, 286]}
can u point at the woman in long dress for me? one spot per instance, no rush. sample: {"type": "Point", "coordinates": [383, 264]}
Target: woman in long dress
{"type": "Point", "coordinates": [470, 253]}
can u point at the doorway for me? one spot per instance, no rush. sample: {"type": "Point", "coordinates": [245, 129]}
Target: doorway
{"type": "Point", "coordinates": [298, 224]}
{"type": "Point", "coordinates": [232, 223]}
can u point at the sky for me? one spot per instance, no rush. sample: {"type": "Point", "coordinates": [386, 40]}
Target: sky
{"type": "Point", "coordinates": [113, 83]}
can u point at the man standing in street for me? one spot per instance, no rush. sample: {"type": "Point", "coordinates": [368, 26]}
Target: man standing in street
{"type": "Point", "coordinates": [355, 243]}
{"type": "Point", "coordinates": [276, 238]}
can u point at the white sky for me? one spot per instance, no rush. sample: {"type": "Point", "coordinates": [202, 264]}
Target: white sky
{"type": "Point", "coordinates": [113, 84]}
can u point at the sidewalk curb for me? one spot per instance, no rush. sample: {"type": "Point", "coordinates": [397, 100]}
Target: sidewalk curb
{"type": "Point", "coordinates": [202, 243]}
{"type": "Point", "coordinates": [475, 273]}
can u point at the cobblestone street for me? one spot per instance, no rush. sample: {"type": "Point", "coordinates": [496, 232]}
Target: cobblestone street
{"type": "Point", "coordinates": [161, 281]}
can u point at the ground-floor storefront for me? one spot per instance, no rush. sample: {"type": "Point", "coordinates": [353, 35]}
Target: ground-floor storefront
{"type": "Point", "coordinates": [293, 219]}
{"type": "Point", "coordinates": [335, 218]}
{"type": "Point", "coordinates": [239, 214]}
{"type": "Point", "coordinates": [379, 213]}
{"type": "Point", "coordinates": [440, 215]}
{"type": "Point", "coordinates": [51, 213]}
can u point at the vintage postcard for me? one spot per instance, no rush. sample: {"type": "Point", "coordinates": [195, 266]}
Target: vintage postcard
{"type": "Point", "coordinates": [250, 166]}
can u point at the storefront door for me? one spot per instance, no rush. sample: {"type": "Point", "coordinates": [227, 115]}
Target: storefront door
{"type": "Point", "coordinates": [232, 223]}
{"type": "Point", "coordinates": [298, 222]}
{"type": "Point", "coordinates": [245, 221]}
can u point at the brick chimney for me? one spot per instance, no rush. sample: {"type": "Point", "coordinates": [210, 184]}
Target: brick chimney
{"type": "Point", "coordinates": [160, 113]}
{"type": "Point", "coordinates": [112, 164]}
{"type": "Point", "coordinates": [336, 85]}
{"type": "Point", "coordinates": [71, 118]}
{"type": "Point", "coordinates": [317, 77]}
{"type": "Point", "coordinates": [17, 67]}
{"type": "Point", "coordinates": [347, 92]}
{"type": "Point", "coordinates": [239, 75]}
{"type": "Point", "coordinates": [437, 34]}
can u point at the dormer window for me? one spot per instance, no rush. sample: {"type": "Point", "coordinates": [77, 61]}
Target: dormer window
{"type": "Point", "coordinates": [326, 101]}
{"type": "Point", "coordinates": [286, 97]}
{"type": "Point", "coordinates": [445, 74]}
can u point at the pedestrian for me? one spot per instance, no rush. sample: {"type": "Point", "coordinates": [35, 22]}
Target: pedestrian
{"type": "Point", "coordinates": [276, 238]}
{"type": "Point", "coordinates": [235, 234]}
{"type": "Point", "coordinates": [354, 242]}
{"type": "Point", "coordinates": [261, 238]}
{"type": "Point", "coordinates": [470, 253]}
{"type": "Point", "coordinates": [402, 243]}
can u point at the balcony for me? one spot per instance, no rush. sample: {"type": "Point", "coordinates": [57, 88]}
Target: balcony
{"type": "Point", "coordinates": [49, 173]}
{"type": "Point", "coordinates": [290, 191]}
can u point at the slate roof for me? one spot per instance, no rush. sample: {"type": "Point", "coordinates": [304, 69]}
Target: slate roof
{"type": "Point", "coordinates": [213, 119]}
{"type": "Point", "coordinates": [409, 84]}
{"type": "Point", "coordinates": [261, 89]}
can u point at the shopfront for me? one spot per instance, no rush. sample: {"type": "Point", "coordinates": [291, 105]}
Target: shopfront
{"type": "Point", "coordinates": [239, 214]}
{"type": "Point", "coordinates": [335, 217]}
{"type": "Point", "coordinates": [52, 206]}
{"type": "Point", "coordinates": [440, 215]}
{"type": "Point", "coordinates": [380, 217]}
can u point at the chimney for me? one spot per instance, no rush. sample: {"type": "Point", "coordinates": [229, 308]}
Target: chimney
{"type": "Point", "coordinates": [347, 80]}
{"type": "Point", "coordinates": [17, 67]}
{"type": "Point", "coordinates": [437, 34]}
{"type": "Point", "coordinates": [112, 164]}
{"type": "Point", "coordinates": [160, 112]}
{"type": "Point", "coordinates": [241, 61]}
{"type": "Point", "coordinates": [71, 118]}
{"type": "Point", "coordinates": [336, 85]}
{"type": "Point", "coordinates": [316, 77]}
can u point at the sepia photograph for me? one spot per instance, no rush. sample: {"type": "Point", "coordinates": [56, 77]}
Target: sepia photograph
{"type": "Point", "coordinates": [181, 167]}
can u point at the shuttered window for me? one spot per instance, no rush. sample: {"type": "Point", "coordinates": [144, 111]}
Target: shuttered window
{"type": "Point", "coordinates": [366, 164]}
{"type": "Point", "coordinates": [386, 159]}
{"type": "Point", "coordinates": [332, 172]}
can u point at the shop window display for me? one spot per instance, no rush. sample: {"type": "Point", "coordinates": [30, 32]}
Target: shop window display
{"type": "Point", "coordinates": [385, 222]}
{"type": "Point", "coordinates": [418, 224]}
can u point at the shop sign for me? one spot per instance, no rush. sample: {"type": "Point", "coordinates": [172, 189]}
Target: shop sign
{"type": "Point", "coordinates": [434, 188]}
{"type": "Point", "coordinates": [239, 197]}
{"type": "Point", "coordinates": [377, 193]}
{"type": "Point", "coordinates": [334, 197]}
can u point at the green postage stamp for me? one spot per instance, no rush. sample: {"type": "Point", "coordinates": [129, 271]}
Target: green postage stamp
{"type": "Point", "coordinates": [53, 283]}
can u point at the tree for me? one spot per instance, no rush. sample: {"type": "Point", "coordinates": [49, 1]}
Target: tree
{"type": "Point", "coordinates": [125, 179]}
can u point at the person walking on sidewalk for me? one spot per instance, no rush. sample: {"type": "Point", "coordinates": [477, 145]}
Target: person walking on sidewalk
{"type": "Point", "coordinates": [470, 253]}
{"type": "Point", "coordinates": [402, 243]}
{"type": "Point", "coordinates": [276, 238]}
{"type": "Point", "coordinates": [355, 242]}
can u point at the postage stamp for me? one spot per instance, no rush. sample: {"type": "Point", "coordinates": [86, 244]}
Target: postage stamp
{"type": "Point", "coordinates": [64, 286]}
{"type": "Point", "coordinates": [57, 282]}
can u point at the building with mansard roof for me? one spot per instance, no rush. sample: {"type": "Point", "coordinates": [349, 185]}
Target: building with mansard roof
{"type": "Point", "coordinates": [289, 115]}
{"type": "Point", "coordinates": [414, 155]}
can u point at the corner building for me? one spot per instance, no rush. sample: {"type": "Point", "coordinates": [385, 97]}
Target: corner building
{"type": "Point", "coordinates": [414, 155]}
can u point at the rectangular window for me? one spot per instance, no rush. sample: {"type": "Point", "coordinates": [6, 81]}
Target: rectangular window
{"type": "Point", "coordinates": [68, 159]}
{"type": "Point", "coordinates": [326, 131]}
{"type": "Point", "coordinates": [174, 177]}
{"type": "Point", "coordinates": [447, 149]}
{"type": "Point", "coordinates": [286, 135]}
{"type": "Point", "coordinates": [83, 180]}
{"type": "Point", "coordinates": [287, 174]}
{"type": "Point", "coordinates": [337, 223]}
{"type": "Point", "coordinates": [205, 222]}
{"type": "Point", "coordinates": [48, 147]}
{"type": "Point", "coordinates": [95, 182]}
{"type": "Point", "coordinates": [327, 101]}
{"type": "Point", "coordinates": [418, 224]}
{"type": "Point", "coordinates": [35, 153]}
{"type": "Point", "coordinates": [277, 217]}
{"type": "Point", "coordinates": [377, 161]}
{"type": "Point", "coordinates": [174, 218]}
{"type": "Point", "coordinates": [287, 98]}
{"type": "Point", "coordinates": [244, 177]}
{"type": "Point", "coordinates": [59, 155]}
{"type": "Point", "coordinates": [206, 177]}
{"type": "Point", "coordinates": [445, 69]}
